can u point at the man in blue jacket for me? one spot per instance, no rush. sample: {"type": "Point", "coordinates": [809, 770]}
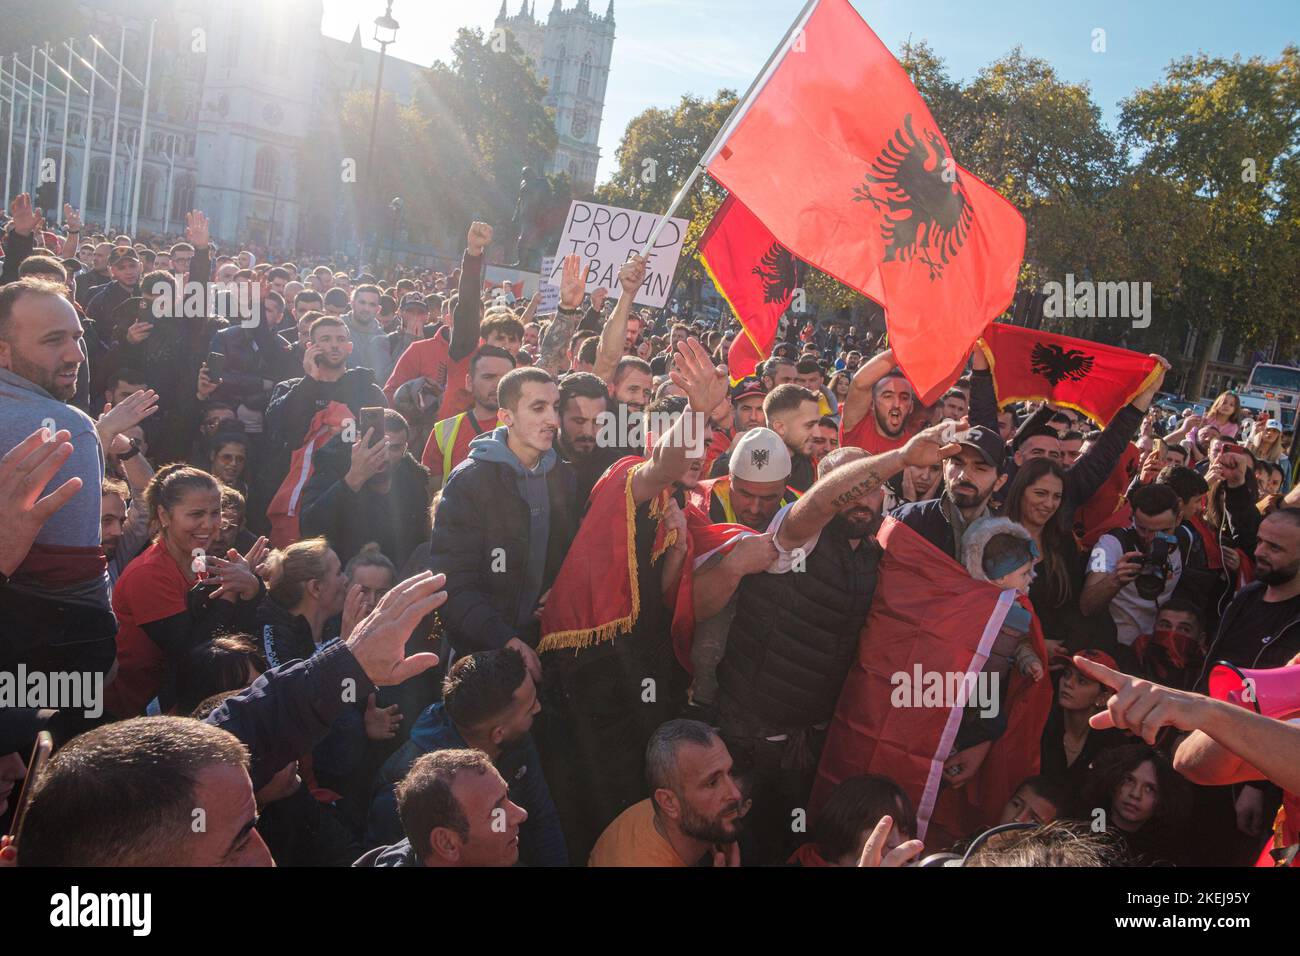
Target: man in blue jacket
{"type": "Point", "coordinates": [488, 704]}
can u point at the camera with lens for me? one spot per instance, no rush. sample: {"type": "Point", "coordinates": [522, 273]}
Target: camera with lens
{"type": "Point", "coordinates": [1154, 571]}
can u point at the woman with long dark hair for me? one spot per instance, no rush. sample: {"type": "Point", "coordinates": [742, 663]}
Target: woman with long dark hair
{"type": "Point", "coordinates": [1034, 502]}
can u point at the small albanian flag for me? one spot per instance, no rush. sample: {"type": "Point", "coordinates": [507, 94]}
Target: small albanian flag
{"type": "Point", "coordinates": [755, 274]}
{"type": "Point", "coordinates": [1095, 379]}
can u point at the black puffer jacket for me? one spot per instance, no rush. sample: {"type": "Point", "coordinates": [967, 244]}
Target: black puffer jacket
{"type": "Point", "coordinates": [794, 636]}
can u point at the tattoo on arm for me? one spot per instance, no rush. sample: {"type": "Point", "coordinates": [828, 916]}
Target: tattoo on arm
{"type": "Point", "coordinates": [555, 340]}
{"type": "Point", "coordinates": [870, 483]}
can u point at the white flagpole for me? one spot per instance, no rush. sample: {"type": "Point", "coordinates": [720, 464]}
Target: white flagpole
{"type": "Point", "coordinates": [112, 155]}
{"type": "Point", "coordinates": [63, 148]}
{"type": "Point", "coordinates": [86, 132]}
{"type": "Point", "coordinates": [27, 131]}
{"type": "Point", "coordinates": [737, 113]}
{"type": "Point", "coordinates": [9, 148]}
{"type": "Point", "coordinates": [45, 123]}
{"type": "Point", "coordinates": [171, 176]}
{"type": "Point", "coordinates": [144, 133]}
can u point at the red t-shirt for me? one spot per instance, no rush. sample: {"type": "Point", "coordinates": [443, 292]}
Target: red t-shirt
{"type": "Point", "coordinates": [469, 429]}
{"type": "Point", "coordinates": [866, 435]}
{"type": "Point", "coordinates": [151, 588]}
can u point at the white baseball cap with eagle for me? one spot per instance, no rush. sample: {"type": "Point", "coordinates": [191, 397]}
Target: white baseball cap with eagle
{"type": "Point", "coordinates": [760, 455]}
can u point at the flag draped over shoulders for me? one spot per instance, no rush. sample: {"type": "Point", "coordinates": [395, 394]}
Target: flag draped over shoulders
{"type": "Point", "coordinates": [929, 616]}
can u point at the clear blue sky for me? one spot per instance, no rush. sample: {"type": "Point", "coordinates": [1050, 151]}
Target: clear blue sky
{"type": "Point", "coordinates": [665, 48]}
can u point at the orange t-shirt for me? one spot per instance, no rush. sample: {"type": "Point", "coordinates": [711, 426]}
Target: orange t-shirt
{"type": "Point", "coordinates": [633, 840]}
{"type": "Point", "coordinates": [866, 435]}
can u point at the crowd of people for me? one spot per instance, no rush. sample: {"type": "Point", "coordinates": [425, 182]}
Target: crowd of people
{"type": "Point", "coordinates": [400, 572]}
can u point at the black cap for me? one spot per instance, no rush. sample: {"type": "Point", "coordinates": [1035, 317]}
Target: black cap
{"type": "Point", "coordinates": [73, 266]}
{"type": "Point", "coordinates": [413, 300]}
{"type": "Point", "coordinates": [988, 443]}
{"type": "Point", "coordinates": [122, 252]}
{"type": "Point", "coordinates": [750, 385]}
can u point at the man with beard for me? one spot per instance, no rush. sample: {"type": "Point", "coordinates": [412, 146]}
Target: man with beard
{"type": "Point", "coordinates": [797, 627]}
{"type": "Point", "coordinates": [615, 627]}
{"type": "Point", "coordinates": [327, 379]}
{"type": "Point", "coordinates": [826, 438]}
{"type": "Point", "coordinates": [583, 401]}
{"type": "Point", "coordinates": [692, 816]}
{"type": "Point", "coordinates": [632, 383]}
{"type": "Point", "coordinates": [488, 704]}
{"type": "Point", "coordinates": [875, 412]}
{"type": "Point", "coordinates": [370, 490]}
{"type": "Point", "coordinates": [124, 265]}
{"type": "Point", "coordinates": [970, 478]}
{"type": "Point", "coordinates": [792, 413]}
{"type": "Point", "coordinates": [60, 591]}
{"type": "Point", "coordinates": [1261, 627]}
{"type": "Point", "coordinates": [448, 443]}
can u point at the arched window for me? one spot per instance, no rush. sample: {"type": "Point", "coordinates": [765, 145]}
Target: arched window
{"type": "Point", "coordinates": [182, 197]}
{"type": "Point", "coordinates": [584, 75]}
{"type": "Point", "coordinates": [264, 171]}
{"type": "Point", "coordinates": [149, 195]}
{"type": "Point", "coordinates": [97, 188]}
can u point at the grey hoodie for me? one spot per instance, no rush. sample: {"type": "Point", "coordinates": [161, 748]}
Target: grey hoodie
{"type": "Point", "coordinates": [532, 488]}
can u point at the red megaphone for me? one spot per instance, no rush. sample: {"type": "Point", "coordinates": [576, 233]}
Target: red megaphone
{"type": "Point", "coordinates": [1274, 692]}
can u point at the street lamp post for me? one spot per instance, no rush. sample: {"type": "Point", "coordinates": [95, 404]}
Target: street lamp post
{"type": "Point", "coordinates": [385, 33]}
{"type": "Point", "coordinates": [396, 206]}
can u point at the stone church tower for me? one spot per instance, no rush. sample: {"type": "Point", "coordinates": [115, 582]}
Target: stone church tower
{"type": "Point", "coordinates": [257, 100]}
{"type": "Point", "coordinates": [571, 51]}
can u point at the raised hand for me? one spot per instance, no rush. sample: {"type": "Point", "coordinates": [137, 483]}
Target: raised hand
{"type": "Point", "coordinates": [379, 641]}
{"type": "Point", "coordinates": [26, 219]}
{"type": "Point", "coordinates": [367, 460]}
{"type": "Point", "coordinates": [934, 444]}
{"type": "Point", "coordinates": [480, 235]}
{"type": "Point", "coordinates": [127, 413]}
{"type": "Point", "coordinates": [631, 275]}
{"type": "Point", "coordinates": [873, 851]}
{"type": "Point", "coordinates": [573, 283]}
{"type": "Point", "coordinates": [24, 473]}
{"type": "Point", "coordinates": [694, 373]}
{"type": "Point", "coordinates": [71, 218]}
{"type": "Point", "coordinates": [196, 229]}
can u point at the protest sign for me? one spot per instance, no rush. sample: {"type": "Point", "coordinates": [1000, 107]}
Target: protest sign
{"type": "Point", "coordinates": [604, 236]}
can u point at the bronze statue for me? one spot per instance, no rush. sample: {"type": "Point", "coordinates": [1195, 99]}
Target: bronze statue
{"type": "Point", "coordinates": [530, 208]}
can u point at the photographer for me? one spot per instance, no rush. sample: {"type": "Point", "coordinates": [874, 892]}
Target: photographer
{"type": "Point", "coordinates": [1134, 569]}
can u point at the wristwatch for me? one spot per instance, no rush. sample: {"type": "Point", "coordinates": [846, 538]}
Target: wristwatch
{"type": "Point", "coordinates": [563, 311]}
{"type": "Point", "coordinates": [128, 455]}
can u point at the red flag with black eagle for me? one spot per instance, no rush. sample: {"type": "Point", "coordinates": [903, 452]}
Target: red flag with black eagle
{"type": "Point", "coordinates": [1095, 379]}
{"type": "Point", "coordinates": [838, 156]}
{"type": "Point", "coordinates": [755, 274]}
